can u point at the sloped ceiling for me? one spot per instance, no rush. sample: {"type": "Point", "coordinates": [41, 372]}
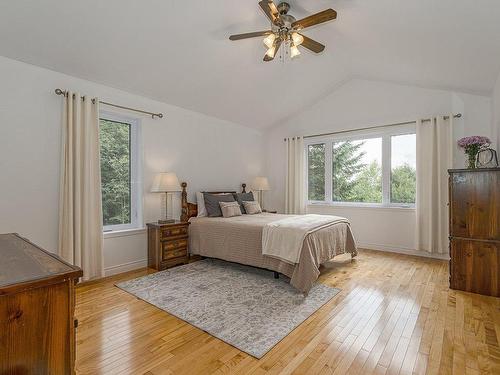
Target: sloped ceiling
{"type": "Point", "coordinates": [178, 51]}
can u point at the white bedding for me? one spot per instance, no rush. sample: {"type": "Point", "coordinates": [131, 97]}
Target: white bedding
{"type": "Point", "coordinates": [283, 239]}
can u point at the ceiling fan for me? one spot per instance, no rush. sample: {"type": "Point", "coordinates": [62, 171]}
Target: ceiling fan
{"type": "Point", "coordinates": [285, 30]}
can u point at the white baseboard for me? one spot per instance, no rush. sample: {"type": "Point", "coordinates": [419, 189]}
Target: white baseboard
{"type": "Point", "coordinates": [129, 266]}
{"type": "Point", "coordinates": [402, 250]}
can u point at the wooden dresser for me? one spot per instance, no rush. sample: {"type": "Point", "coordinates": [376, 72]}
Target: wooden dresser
{"type": "Point", "coordinates": [37, 303]}
{"type": "Point", "coordinates": [167, 244]}
{"type": "Point", "coordinates": [475, 230]}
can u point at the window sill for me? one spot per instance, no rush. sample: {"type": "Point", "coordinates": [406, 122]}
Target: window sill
{"type": "Point", "coordinates": [360, 206]}
{"type": "Point", "coordinates": [124, 232]}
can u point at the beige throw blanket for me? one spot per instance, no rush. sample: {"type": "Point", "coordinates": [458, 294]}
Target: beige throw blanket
{"type": "Point", "coordinates": [283, 239]}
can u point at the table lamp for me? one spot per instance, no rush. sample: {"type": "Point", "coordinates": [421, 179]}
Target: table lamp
{"type": "Point", "coordinates": [260, 184]}
{"type": "Point", "coordinates": [166, 182]}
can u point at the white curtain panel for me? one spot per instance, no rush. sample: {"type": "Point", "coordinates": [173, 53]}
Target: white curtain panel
{"type": "Point", "coordinates": [295, 182]}
{"type": "Point", "coordinates": [434, 158]}
{"type": "Point", "coordinates": [80, 205]}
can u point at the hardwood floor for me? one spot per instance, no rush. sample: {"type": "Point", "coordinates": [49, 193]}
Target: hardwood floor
{"type": "Point", "coordinates": [394, 315]}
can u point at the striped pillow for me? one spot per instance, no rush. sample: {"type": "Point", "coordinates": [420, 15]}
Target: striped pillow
{"type": "Point", "coordinates": [230, 209]}
{"type": "Point", "coordinates": [252, 207]}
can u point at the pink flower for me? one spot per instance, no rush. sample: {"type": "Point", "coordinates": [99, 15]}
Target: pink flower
{"type": "Point", "coordinates": [475, 140]}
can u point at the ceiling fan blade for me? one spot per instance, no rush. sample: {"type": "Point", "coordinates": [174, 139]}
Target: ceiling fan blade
{"type": "Point", "coordinates": [250, 35]}
{"type": "Point", "coordinates": [277, 48]}
{"type": "Point", "coordinates": [312, 45]}
{"type": "Point", "coordinates": [324, 16]}
{"type": "Point", "coordinates": [271, 11]}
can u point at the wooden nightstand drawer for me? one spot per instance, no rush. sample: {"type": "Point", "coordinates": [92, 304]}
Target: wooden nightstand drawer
{"type": "Point", "coordinates": [173, 232]}
{"type": "Point", "coordinates": [171, 245]}
{"type": "Point", "coordinates": [174, 253]}
{"type": "Point", "coordinates": [167, 244]}
{"type": "Point", "coordinates": [172, 262]}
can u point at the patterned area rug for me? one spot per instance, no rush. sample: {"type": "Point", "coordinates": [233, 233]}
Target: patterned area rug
{"type": "Point", "coordinates": [243, 306]}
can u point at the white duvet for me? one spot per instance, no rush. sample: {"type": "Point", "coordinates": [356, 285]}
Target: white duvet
{"type": "Point", "coordinates": [283, 239]}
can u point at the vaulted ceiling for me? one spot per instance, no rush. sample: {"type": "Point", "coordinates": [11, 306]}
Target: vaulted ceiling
{"type": "Point", "coordinates": [178, 51]}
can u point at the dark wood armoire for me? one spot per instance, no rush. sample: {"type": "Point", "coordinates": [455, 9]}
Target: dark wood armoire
{"type": "Point", "coordinates": [475, 230]}
{"type": "Point", "coordinates": [37, 304]}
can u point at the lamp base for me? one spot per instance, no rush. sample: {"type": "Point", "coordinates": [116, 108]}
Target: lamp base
{"type": "Point", "coordinates": [167, 221]}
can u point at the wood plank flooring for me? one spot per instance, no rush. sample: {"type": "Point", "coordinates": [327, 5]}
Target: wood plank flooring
{"type": "Point", "coordinates": [394, 315]}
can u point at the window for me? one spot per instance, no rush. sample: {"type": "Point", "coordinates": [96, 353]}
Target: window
{"type": "Point", "coordinates": [371, 168]}
{"type": "Point", "coordinates": [403, 168]}
{"type": "Point", "coordinates": [357, 171]}
{"type": "Point", "coordinates": [316, 172]}
{"type": "Point", "coordinates": [119, 172]}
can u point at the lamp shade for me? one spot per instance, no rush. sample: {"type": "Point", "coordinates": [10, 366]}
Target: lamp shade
{"type": "Point", "coordinates": [165, 182]}
{"type": "Point", "coordinates": [260, 183]}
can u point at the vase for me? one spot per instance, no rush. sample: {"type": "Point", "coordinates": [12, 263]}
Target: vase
{"type": "Point", "coordinates": [472, 160]}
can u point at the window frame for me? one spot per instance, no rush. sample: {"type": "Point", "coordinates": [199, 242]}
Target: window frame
{"type": "Point", "coordinates": [384, 133]}
{"type": "Point", "coordinates": [135, 171]}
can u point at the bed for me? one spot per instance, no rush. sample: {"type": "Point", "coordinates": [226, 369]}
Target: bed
{"type": "Point", "coordinates": [239, 239]}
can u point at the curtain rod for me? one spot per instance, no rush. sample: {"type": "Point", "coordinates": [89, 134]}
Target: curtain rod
{"type": "Point", "coordinates": [458, 115]}
{"type": "Point", "coordinates": [152, 114]}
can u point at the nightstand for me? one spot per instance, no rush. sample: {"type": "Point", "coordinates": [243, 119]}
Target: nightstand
{"type": "Point", "coordinates": [167, 244]}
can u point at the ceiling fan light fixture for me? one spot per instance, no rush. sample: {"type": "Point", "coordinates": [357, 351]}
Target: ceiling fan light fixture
{"type": "Point", "coordinates": [269, 40]}
{"type": "Point", "coordinates": [271, 52]}
{"type": "Point", "coordinates": [294, 51]}
{"type": "Point", "coordinates": [297, 39]}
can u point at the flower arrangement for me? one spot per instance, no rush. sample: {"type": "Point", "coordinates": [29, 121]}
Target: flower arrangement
{"type": "Point", "coordinates": [472, 145]}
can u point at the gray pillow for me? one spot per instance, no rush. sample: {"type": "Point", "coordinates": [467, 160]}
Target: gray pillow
{"type": "Point", "coordinates": [212, 203]}
{"type": "Point", "coordinates": [243, 197]}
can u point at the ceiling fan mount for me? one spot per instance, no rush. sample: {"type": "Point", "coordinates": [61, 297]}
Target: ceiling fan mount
{"type": "Point", "coordinates": [285, 30]}
{"type": "Point", "coordinates": [283, 8]}
{"type": "Point", "coordinates": [285, 18]}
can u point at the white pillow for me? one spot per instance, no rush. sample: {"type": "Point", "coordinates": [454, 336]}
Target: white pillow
{"type": "Point", "coordinates": [200, 201]}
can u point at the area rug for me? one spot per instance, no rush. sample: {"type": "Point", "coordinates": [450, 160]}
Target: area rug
{"type": "Point", "coordinates": [243, 306]}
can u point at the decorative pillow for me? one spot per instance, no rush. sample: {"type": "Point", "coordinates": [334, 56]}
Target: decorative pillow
{"type": "Point", "coordinates": [200, 201]}
{"type": "Point", "coordinates": [243, 197]}
{"type": "Point", "coordinates": [252, 207]}
{"type": "Point", "coordinates": [230, 209]}
{"type": "Point", "coordinates": [212, 203]}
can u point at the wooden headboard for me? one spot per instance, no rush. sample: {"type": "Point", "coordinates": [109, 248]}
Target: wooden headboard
{"type": "Point", "coordinates": [190, 210]}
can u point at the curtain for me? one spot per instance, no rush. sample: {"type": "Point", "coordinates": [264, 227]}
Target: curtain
{"type": "Point", "coordinates": [434, 158]}
{"type": "Point", "coordinates": [294, 189]}
{"type": "Point", "coordinates": [80, 205]}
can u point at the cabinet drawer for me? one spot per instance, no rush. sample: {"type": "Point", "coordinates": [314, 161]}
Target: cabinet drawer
{"type": "Point", "coordinates": [474, 266]}
{"type": "Point", "coordinates": [474, 205]}
{"type": "Point", "coordinates": [169, 254]}
{"type": "Point", "coordinates": [175, 244]}
{"type": "Point", "coordinates": [174, 232]}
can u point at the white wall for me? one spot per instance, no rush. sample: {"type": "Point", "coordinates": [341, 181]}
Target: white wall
{"type": "Point", "coordinates": [363, 103]}
{"type": "Point", "coordinates": [206, 152]}
{"type": "Point", "coordinates": [496, 114]}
